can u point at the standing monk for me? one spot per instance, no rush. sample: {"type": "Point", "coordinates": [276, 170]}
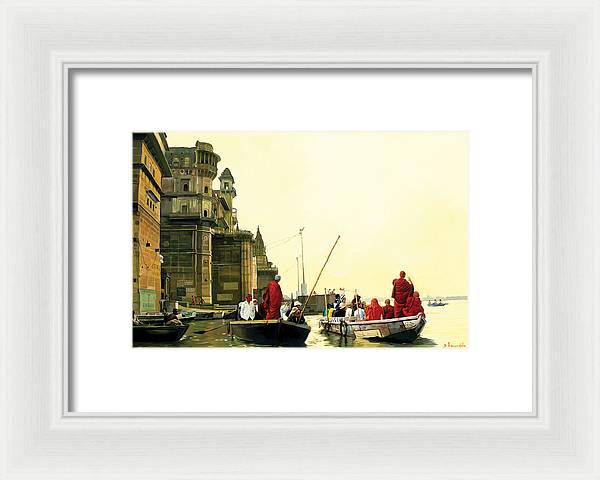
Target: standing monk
{"type": "Point", "coordinates": [272, 299]}
{"type": "Point", "coordinates": [401, 291]}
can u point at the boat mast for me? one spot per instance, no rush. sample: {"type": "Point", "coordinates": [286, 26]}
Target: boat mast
{"type": "Point", "coordinates": [319, 276]}
{"type": "Point", "coordinates": [298, 275]}
{"type": "Point", "coordinates": [303, 291]}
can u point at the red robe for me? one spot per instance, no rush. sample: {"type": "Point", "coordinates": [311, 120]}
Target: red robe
{"type": "Point", "coordinates": [388, 311]}
{"type": "Point", "coordinates": [413, 307]}
{"type": "Point", "coordinates": [374, 311]}
{"type": "Point", "coordinates": [272, 300]}
{"type": "Point", "coordinates": [401, 291]}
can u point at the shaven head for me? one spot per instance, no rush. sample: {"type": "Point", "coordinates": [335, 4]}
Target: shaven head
{"type": "Point", "coordinates": [387, 301]}
{"type": "Point", "coordinates": [277, 278]}
{"type": "Point", "coordinates": [402, 274]}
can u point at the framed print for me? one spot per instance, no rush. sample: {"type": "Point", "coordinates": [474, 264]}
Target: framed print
{"type": "Point", "coordinates": [407, 191]}
{"type": "Point", "coordinates": [354, 176]}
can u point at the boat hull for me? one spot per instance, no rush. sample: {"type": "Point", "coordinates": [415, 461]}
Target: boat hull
{"type": "Point", "coordinates": [228, 315]}
{"type": "Point", "coordinates": [401, 330]}
{"type": "Point", "coordinates": [270, 332]}
{"type": "Point", "coordinates": [158, 333]}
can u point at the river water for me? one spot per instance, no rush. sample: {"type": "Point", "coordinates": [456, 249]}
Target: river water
{"type": "Point", "coordinates": [446, 328]}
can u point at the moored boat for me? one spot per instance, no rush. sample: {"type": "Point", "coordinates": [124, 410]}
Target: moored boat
{"type": "Point", "coordinates": [158, 333]}
{"type": "Point", "coordinates": [402, 330]}
{"type": "Point", "coordinates": [150, 317]}
{"type": "Point", "coordinates": [160, 320]}
{"type": "Point", "coordinates": [270, 332]}
{"type": "Point", "coordinates": [228, 315]}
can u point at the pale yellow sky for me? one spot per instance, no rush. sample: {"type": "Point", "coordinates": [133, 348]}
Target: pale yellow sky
{"type": "Point", "coordinates": [398, 200]}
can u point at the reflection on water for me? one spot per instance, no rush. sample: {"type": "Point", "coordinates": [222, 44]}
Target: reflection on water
{"type": "Point", "coordinates": [446, 327]}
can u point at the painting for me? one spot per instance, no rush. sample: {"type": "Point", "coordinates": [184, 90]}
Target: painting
{"type": "Point", "coordinates": [300, 239]}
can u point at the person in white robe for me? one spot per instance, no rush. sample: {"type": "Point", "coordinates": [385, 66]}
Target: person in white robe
{"type": "Point", "coordinates": [247, 309]}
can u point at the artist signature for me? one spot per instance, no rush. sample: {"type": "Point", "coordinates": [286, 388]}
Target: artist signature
{"type": "Point", "coordinates": [454, 345]}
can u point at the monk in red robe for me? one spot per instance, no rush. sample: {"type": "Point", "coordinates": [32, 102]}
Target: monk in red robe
{"type": "Point", "coordinates": [413, 306]}
{"type": "Point", "coordinates": [388, 310]}
{"type": "Point", "coordinates": [272, 299]}
{"type": "Point", "coordinates": [401, 291]}
{"type": "Point", "coordinates": [374, 311]}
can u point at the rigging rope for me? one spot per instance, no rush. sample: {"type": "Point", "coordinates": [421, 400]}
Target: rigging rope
{"type": "Point", "coordinates": [281, 241]}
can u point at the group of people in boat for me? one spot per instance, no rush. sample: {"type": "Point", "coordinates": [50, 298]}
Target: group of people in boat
{"type": "Point", "coordinates": [272, 306]}
{"type": "Point", "coordinates": [407, 303]}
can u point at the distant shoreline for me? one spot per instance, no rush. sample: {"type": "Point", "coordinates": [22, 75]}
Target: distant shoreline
{"type": "Point", "coordinates": [451, 297]}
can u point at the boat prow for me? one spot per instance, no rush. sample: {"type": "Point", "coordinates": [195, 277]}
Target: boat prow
{"type": "Point", "coordinates": [270, 332]}
{"type": "Point", "coordinates": [158, 333]}
{"type": "Point", "coordinates": [401, 330]}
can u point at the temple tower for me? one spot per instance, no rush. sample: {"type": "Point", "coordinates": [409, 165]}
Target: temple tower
{"type": "Point", "coordinates": [227, 194]}
{"type": "Point", "coordinates": [265, 270]}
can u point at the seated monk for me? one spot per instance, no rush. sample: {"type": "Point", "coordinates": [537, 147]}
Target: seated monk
{"type": "Point", "coordinates": [374, 311]}
{"type": "Point", "coordinates": [413, 306]}
{"type": "Point", "coordinates": [388, 310]}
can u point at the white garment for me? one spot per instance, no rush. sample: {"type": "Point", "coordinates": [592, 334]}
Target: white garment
{"type": "Point", "coordinates": [247, 310]}
{"type": "Point", "coordinates": [360, 314]}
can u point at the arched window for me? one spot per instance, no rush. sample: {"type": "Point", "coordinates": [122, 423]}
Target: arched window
{"type": "Point", "coordinates": [206, 213]}
{"type": "Point", "coordinates": [184, 209]}
{"type": "Point", "coordinates": [186, 187]}
{"type": "Point", "coordinates": [205, 189]}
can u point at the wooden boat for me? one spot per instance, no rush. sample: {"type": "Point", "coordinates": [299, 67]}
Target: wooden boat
{"type": "Point", "coordinates": [436, 304]}
{"type": "Point", "coordinates": [152, 320]}
{"type": "Point", "coordinates": [270, 332]}
{"type": "Point", "coordinates": [228, 315]}
{"type": "Point", "coordinates": [150, 317]}
{"type": "Point", "coordinates": [206, 315]}
{"type": "Point", "coordinates": [402, 330]}
{"type": "Point", "coordinates": [158, 333]}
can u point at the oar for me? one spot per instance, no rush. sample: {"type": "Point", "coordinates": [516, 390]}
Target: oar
{"type": "Point", "coordinates": [317, 280]}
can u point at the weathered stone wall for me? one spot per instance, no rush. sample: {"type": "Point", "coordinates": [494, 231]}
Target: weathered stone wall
{"type": "Point", "coordinates": [146, 229]}
{"type": "Point", "coordinates": [227, 269]}
{"type": "Point", "coordinates": [146, 262]}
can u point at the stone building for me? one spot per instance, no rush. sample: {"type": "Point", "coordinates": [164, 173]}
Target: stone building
{"type": "Point", "coordinates": [207, 258]}
{"type": "Point", "coordinates": [150, 167]}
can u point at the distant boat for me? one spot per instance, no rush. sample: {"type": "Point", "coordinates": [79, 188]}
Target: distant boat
{"type": "Point", "coordinates": [435, 303]}
{"type": "Point", "coordinates": [402, 330]}
{"type": "Point", "coordinates": [270, 332]}
{"type": "Point", "coordinates": [158, 333]}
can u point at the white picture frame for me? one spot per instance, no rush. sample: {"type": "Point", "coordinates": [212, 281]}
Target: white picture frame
{"type": "Point", "coordinates": [41, 42]}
